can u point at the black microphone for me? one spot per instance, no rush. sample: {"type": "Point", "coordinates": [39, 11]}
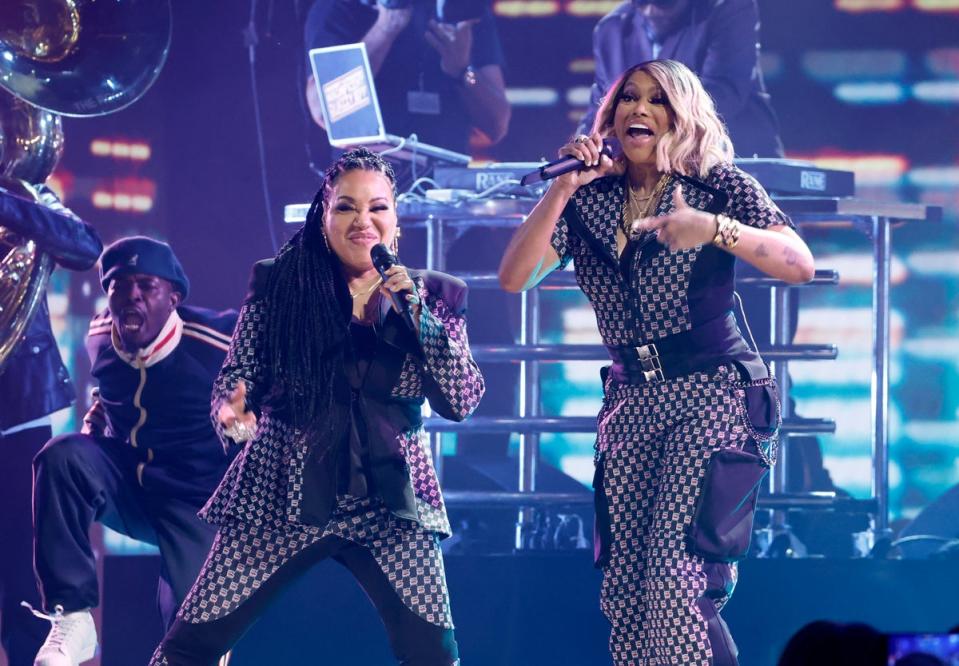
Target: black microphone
{"type": "Point", "coordinates": [611, 149]}
{"type": "Point", "coordinates": [383, 260]}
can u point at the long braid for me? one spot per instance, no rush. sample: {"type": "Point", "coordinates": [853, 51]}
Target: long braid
{"type": "Point", "coordinates": [306, 323]}
{"type": "Point", "coordinates": [309, 309]}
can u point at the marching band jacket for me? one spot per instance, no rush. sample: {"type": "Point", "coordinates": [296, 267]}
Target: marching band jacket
{"type": "Point", "coordinates": [274, 480]}
{"type": "Point", "coordinates": [155, 404]}
{"type": "Point", "coordinates": [34, 381]}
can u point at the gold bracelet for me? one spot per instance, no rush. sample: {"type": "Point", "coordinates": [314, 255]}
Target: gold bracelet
{"type": "Point", "coordinates": [727, 232]}
{"type": "Point", "coordinates": [718, 237]}
{"type": "Point", "coordinates": [731, 237]}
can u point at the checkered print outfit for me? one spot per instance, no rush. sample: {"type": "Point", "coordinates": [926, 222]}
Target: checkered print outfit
{"type": "Point", "coordinates": [241, 560]}
{"type": "Point", "coordinates": [654, 440]}
{"type": "Point", "coordinates": [233, 586]}
{"type": "Point", "coordinates": [262, 538]}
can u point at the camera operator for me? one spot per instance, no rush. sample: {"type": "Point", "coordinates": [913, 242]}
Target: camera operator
{"type": "Point", "coordinates": [438, 65]}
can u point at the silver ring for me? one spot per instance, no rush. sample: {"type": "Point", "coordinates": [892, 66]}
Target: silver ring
{"type": "Point", "coordinates": [238, 432]}
{"type": "Point", "coordinates": [581, 138]}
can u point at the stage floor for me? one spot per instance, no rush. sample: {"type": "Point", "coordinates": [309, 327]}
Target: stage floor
{"type": "Point", "coordinates": [542, 610]}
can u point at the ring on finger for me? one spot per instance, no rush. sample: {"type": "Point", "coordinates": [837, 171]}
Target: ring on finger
{"type": "Point", "coordinates": [238, 432]}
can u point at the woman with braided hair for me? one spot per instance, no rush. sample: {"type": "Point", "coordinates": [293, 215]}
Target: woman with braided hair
{"type": "Point", "coordinates": [323, 386]}
{"type": "Point", "coordinates": [654, 236]}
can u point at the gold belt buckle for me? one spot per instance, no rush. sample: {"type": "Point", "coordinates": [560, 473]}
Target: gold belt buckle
{"type": "Point", "coordinates": [649, 361]}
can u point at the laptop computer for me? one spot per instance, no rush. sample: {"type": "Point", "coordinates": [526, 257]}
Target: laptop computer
{"type": "Point", "coordinates": [351, 110]}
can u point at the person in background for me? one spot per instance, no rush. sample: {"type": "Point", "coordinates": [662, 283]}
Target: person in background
{"type": "Point", "coordinates": [717, 39]}
{"type": "Point", "coordinates": [34, 382]}
{"type": "Point", "coordinates": [827, 643]}
{"type": "Point", "coordinates": [147, 457]}
{"type": "Point", "coordinates": [436, 76]}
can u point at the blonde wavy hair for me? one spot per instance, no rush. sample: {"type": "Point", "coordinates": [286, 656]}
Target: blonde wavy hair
{"type": "Point", "coordinates": [697, 140]}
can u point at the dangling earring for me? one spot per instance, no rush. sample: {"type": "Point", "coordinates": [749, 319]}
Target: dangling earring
{"type": "Point", "coordinates": [326, 241]}
{"type": "Point", "coordinates": [395, 245]}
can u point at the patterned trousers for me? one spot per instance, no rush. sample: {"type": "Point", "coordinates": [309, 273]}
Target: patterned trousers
{"type": "Point", "coordinates": [399, 565]}
{"type": "Point", "coordinates": [654, 442]}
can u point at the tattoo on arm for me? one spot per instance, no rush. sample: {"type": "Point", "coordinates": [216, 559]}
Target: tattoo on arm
{"type": "Point", "coordinates": [791, 256]}
{"type": "Point", "coordinates": [761, 251]}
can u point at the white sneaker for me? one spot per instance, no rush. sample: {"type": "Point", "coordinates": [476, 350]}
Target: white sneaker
{"type": "Point", "coordinates": [72, 639]}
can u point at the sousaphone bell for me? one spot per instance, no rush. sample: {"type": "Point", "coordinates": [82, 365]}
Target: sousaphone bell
{"type": "Point", "coordinates": [61, 58]}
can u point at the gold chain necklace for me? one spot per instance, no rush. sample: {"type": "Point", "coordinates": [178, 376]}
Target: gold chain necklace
{"type": "Point", "coordinates": [644, 209]}
{"type": "Point", "coordinates": [376, 283]}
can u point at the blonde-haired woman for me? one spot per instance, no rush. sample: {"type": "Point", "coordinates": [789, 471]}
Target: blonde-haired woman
{"type": "Point", "coordinates": [654, 236]}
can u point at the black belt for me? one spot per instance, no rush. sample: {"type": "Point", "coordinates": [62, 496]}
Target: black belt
{"type": "Point", "coordinates": [703, 348]}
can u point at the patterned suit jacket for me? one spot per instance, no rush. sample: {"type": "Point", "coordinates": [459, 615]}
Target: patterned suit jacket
{"type": "Point", "coordinates": [649, 292]}
{"type": "Point", "coordinates": [269, 482]}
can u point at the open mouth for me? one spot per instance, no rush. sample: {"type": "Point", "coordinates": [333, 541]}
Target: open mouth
{"type": "Point", "coordinates": [131, 321]}
{"type": "Point", "coordinates": [638, 131]}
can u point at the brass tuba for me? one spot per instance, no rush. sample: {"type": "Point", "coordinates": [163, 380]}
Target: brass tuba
{"type": "Point", "coordinates": [82, 57]}
{"type": "Point", "coordinates": [71, 58]}
{"type": "Point", "coordinates": [24, 272]}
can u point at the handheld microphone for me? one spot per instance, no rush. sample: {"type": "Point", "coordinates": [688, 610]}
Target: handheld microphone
{"type": "Point", "coordinates": [383, 260]}
{"type": "Point", "coordinates": [611, 149]}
